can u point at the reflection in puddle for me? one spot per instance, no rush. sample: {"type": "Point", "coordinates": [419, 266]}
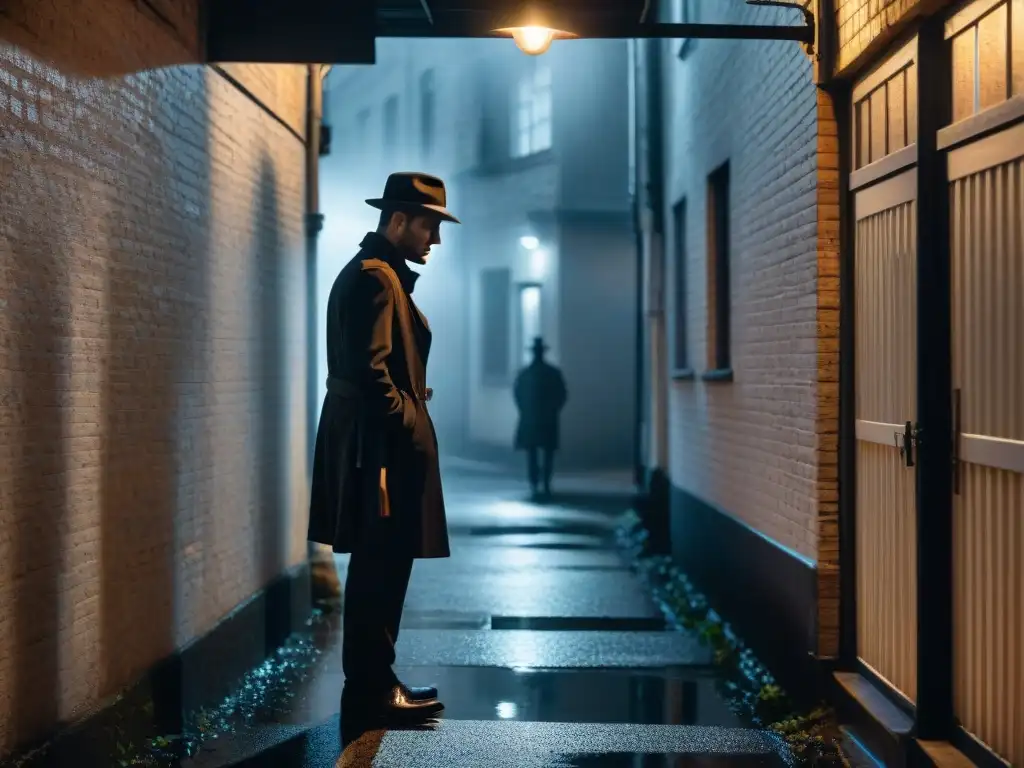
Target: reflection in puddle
{"type": "Point", "coordinates": [645, 697]}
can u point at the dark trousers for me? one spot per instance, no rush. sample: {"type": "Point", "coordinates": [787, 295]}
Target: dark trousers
{"type": "Point", "coordinates": [374, 597]}
{"type": "Point", "coordinates": [540, 465]}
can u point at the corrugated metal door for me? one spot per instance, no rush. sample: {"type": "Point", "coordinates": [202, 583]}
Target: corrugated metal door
{"type": "Point", "coordinates": [987, 252]}
{"type": "Point", "coordinates": [885, 278]}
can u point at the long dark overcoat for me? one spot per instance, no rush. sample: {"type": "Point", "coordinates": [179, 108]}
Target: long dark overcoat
{"type": "Point", "coordinates": [374, 422]}
{"type": "Point", "coordinates": [540, 395]}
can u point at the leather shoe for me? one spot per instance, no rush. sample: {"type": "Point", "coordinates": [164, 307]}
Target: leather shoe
{"type": "Point", "coordinates": [391, 702]}
{"type": "Point", "coordinates": [417, 693]}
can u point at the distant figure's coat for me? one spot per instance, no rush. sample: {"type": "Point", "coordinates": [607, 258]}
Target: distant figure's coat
{"type": "Point", "coordinates": [540, 395]}
{"type": "Point", "coordinates": [374, 416]}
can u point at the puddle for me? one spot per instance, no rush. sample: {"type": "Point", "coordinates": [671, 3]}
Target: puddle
{"type": "Point", "coordinates": [643, 697]}
{"type": "Point", "coordinates": [578, 623]}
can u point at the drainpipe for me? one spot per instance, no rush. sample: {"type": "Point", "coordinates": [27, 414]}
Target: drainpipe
{"type": "Point", "coordinates": [639, 475]}
{"type": "Point", "coordinates": [314, 221]}
{"type": "Point", "coordinates": [324, 581]}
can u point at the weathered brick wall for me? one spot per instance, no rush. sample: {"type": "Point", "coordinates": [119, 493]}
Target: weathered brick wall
{"type": "Point", "coordinates": [152, 406]}
{"type": "Point", "coordinates": [751, 446]}
{"type": "Point", "coordinates": [865, 26]}
{"type": "Point", "coordinates": [828, 377]}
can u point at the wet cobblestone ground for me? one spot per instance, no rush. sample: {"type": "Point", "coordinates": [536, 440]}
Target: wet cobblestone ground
{"type": "Point", "coordinates": [546, 648]}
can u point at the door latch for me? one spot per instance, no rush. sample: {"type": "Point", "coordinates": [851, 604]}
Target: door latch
{"type": "Point", "coordinates": [907, 441]}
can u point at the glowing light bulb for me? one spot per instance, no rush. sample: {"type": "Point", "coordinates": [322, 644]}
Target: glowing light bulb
{"type": "Point", "coordinates": [533, 40]}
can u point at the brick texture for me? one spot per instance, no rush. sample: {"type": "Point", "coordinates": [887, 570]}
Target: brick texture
{"type": "Point", "coordinates": [152, 353]}
{"type": "Point", "coordinates": [753, 446]}
{"type": "Point", "coordinates": [828, 377]}
{"type": "Point", "coordinates": [864, 27]}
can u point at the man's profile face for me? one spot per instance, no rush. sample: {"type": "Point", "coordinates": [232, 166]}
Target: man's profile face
{"type": "Point", "coordinates": [416, 235]}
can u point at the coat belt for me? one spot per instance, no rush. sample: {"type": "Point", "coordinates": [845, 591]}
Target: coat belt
{"type": "Point", "coordinates": [345, 388]}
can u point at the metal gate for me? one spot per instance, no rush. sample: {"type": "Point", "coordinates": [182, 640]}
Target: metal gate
{"type": "Point", "coordinates": [884, 180]}
{"type": "Point", "coordinates": [987, 258]}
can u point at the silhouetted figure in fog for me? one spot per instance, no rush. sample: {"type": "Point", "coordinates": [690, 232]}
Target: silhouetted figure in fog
{"type": "Point", "coordinates": [376, 477]}
{"type": "Point", "coordinates": [540, 396]}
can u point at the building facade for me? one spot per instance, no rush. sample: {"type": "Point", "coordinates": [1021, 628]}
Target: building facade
{"type": "Point", "coordinates": [154, 472]}
{"type": "Point", "coordinates": [740, 418]}
{"type": "Point", "coordinates": [535, 153]}
{"type": "Point", "coordinates": [832, 365]}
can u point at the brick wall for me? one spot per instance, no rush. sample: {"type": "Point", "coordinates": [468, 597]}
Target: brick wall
{"type": "Point", "coordinates": [751, 446]}
{"type": "Point", "coordinates": [828, 377]}
{"type": "Point", "coordinates": [152, 402]}
{"type": "Point", "coordinates": [866, 26]}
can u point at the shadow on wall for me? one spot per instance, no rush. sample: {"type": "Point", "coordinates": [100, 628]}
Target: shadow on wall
{"type": "Point", "coordinates": [268, 321]}
{"type": "Point", "coordinates": [139, 466]}
{"type": "Point", "coordinates": [155, 380]}
{"type": "Point", "coordinates": [34, 323]}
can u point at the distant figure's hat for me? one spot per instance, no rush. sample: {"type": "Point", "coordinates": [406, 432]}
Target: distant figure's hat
{"type": "Point", "coordinates": [538, 344]}
{"type": "Point", "coordinates": [414, 191]}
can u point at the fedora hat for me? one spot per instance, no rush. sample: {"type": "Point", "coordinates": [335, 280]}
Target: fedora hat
{"type": "Point", "coordinates": [538, 344]}
{"type": "Point", "coordinates": [414, 191]}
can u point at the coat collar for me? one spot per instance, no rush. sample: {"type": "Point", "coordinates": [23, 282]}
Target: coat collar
{"type": "Point", "coordinates": [379, 247]}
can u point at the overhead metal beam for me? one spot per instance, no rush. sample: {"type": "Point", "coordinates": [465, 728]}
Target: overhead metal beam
{"type": "Point", "coordinates": [289, 31]}
{"type": "Point", "coordinates": [448, 27]}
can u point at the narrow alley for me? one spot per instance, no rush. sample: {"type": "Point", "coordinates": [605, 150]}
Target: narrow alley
{"type": "Point", "coordinates": [547, 648]}
{"type": "Point", "coordinates": [744, 275]}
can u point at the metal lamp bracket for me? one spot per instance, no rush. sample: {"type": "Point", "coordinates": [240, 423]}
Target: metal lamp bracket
{"type": "Point", "coordinates": [803, 8]}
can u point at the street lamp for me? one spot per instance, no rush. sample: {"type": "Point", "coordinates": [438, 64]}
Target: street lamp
{"type": "Point", "coordinates": [534, 40]}
{"type": "Point", "coordinates": [534, 24]}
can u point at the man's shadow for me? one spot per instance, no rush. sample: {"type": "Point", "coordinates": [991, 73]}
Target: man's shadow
{"type": "Point", "coordinates": [361, 736]}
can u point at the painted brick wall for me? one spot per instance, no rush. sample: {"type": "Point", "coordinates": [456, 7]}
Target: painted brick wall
{"type": "Point", "coordinates": [152, 354]}
{"type": "Point", "coordinates": [750, 446]}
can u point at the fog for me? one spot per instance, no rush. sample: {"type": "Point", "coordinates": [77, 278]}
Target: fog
{"type": "Point", "coordinates": [535, 155]}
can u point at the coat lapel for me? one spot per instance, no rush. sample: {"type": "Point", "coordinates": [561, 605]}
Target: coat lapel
{"type": "Point", "coordinates": [410, 342]}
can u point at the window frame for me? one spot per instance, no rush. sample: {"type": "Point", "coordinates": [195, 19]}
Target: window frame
{"type": "Point", "coordinates": [522, 338]}
{"type": "Point", "coordinates": [389, 132]}
{"type": "Point", "coordinates": [532, 94]}
{"type": "Point", "coordinates": [495, 343]}
{"type": "Point", "coordinates": [681, 364]}
{"type": "Point", "coordinates": [719, 276]}
{"type": "Point", "coordinates": [428, 111]}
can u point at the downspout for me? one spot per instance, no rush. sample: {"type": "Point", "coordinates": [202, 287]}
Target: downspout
{"type": "Point", "coordinates": [323, 575]}
{"type": "Point", "coordinates": [314, 221]}
{"type": "Point", "coordinates": [639, 474]}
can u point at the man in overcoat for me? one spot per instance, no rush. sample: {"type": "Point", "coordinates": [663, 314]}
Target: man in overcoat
{"type": "Point", "coordinates": [540, 395]}
{"type": "Point", "coordinates": [376, 479]}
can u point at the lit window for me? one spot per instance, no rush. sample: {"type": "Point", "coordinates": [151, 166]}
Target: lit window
{"type": "Point", "coordinates": [531, 127]}
{"type": "Point", "coordinates": [530, 325]}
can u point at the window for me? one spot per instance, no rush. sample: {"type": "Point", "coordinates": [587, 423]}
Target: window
{"type": "Point", "coordinates": [391, 123]}
{"type": "Point", "coordinates": [531, 116]}
{"type": "Point", "coordinates": [427, 112]}
{"type": "Point", "coordinates": [362, 124]}
{"type": "Point", "coordinates": [495, 334]}
{"type": "Point", "coordinates": [685, 12]}
{"type": "Point", "coordinates": [719, 295]}
{"type": "Point", "coordinates": [530, 325]}
{"type": "Point", "coordinates": [681, 352]}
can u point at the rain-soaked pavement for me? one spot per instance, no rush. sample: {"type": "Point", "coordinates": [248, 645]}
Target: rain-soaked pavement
{"type": "Point", "coordinates": [546, 648]}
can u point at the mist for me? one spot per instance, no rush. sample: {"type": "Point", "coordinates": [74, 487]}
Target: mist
{"type": "Point", "coordinates": [535, 153]}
